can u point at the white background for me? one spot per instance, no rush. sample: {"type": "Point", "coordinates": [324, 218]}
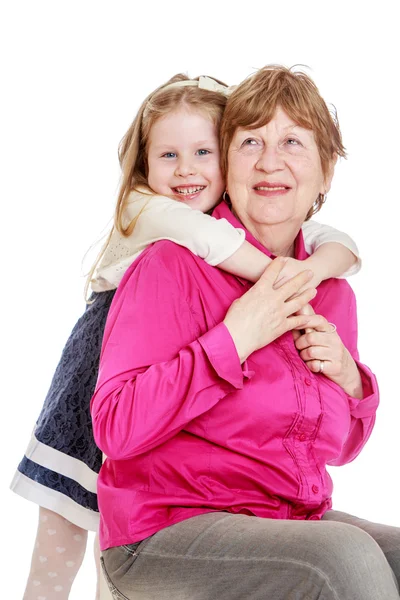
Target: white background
{"type": "Point", "coordinates": [72, 78]}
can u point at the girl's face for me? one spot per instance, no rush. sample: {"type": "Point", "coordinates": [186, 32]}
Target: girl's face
{"type": "Point", "coordinates": [183, 159]}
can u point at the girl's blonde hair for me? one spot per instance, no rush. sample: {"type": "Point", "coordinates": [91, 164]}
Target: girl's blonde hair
{"type": "Point", "coordinates": [254, 102]}
{"type": "Point", "coordinates": [132, 151]}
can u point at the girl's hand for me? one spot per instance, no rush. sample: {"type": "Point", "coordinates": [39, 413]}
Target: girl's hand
{"type": "Point", "coordinates": [292, 268]}
{"type": "Point", "coordinates": [264, 313]}
{"type": "Point", "coordinates": [324, 352]}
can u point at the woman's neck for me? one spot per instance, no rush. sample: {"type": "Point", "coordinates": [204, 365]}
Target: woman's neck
{"type": "Point", "coordinates": [278, 238]}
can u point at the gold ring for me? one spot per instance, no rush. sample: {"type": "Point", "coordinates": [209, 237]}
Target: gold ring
{"type": "Point", "coordinates": [321, 366]}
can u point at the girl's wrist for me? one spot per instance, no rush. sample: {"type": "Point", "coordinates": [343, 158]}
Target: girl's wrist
{"type": "Point", "coordinates": [314, 265]}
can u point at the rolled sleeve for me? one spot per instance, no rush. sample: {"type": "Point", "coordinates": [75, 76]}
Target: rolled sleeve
{"type": "Point", "coordinates": [366, 407]}
{"type": "Point", "coordinates": [222, 354]}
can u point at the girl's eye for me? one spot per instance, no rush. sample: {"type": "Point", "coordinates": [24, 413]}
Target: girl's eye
{"type": "Point", "coordinates": [202, 152]}
{"type": "Point", "coordinates": [169, 155]}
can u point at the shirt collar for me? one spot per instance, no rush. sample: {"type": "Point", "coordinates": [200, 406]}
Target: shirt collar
{"type": "Point", "coordinates": [223, 211]}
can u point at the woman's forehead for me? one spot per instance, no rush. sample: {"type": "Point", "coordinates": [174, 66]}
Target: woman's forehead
{"type": "Point", "coordinates": [280, 121]}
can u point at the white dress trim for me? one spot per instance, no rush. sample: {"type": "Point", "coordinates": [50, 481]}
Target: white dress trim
{"type": "Point", "coordinates": [55, 501]}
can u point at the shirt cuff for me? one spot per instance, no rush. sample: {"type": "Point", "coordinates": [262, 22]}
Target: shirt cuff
{"type": "Point", "coordinates": [366, 407]}
{"type": "Point", "coordinates": [222, 354]}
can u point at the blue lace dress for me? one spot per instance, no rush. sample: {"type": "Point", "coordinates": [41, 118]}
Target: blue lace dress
{"type": "Point", "coordinates": [60, 467]}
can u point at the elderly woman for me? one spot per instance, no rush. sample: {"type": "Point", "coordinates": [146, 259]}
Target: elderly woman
{"type": "Point", "coordinates": [219, 414]}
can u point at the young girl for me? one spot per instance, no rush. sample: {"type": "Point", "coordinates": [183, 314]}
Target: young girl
{"type": "Point", "coordinates": [171, 150]}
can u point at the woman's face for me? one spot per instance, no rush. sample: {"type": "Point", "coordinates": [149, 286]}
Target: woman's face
{"type": "Point", "coordinates": [274, 172]}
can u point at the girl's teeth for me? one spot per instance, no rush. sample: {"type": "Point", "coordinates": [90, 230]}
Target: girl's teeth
{"type": "Point", "coordinates": [189, 190]}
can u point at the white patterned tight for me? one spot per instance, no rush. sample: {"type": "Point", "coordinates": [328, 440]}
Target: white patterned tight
{"type": "Point", "coordinates": [57, 556]}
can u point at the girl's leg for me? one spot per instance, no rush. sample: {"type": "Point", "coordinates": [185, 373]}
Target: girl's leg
{"type": "Point", "coordinates": [96, 552]}
{"type": "Point", "coordinates": [56, 559]}
{"type": "Point", "coordinates": [386, 536]}
{"type": "Point", "coordinates": [232, 557]}
{"type": "Point", "coordinates": [102, 591]}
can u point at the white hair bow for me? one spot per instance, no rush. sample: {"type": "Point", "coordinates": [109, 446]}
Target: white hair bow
{"type": "Point", "coordinates": [204, 83]}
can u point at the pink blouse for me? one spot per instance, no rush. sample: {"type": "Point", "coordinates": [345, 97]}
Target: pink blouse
{"type": "Point", "coordinates": [188, 430]}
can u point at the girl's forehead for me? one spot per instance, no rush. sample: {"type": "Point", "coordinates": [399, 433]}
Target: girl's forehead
{"type": "Point", "coordinates": [186, 114]}
{"type": "Point", "coordinates": [182, 123]}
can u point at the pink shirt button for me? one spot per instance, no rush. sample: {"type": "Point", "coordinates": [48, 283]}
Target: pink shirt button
{"type": "Point", "coordinates": [315, 489]}
{"type": "Point", "coordinates": [302, 437]}
{"type": "Point", "coordinates": [307, 381]}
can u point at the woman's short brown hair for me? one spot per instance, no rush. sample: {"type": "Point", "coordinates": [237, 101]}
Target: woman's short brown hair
{"type": "Point", "coordinates": [254, 103]}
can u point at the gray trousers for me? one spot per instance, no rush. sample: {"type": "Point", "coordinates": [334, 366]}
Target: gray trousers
{"type": "Point", "coordinates": [220, 556]}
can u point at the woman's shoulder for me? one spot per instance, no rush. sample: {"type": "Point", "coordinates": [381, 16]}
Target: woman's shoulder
{"type": "Point", "coordinates": [334, 289]}
{"type": "Point", "coordinates": [335, 300]}
{"type": "Point", "coordinates": [171, 255]}
{"type": "Point", "coordinates": [167, 260]}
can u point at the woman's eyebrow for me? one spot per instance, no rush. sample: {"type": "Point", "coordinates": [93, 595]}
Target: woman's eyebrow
{"type": "Point", "coordinates": [291, 127]}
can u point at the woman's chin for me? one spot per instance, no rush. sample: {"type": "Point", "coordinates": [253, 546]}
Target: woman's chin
{"type": "Point", "coordinates": [271, 216]}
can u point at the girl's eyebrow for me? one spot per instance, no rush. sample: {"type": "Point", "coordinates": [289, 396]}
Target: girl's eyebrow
{"type": "Point", "coordinates": [194, 144]}
{"type": "Point", "coordinates": [205, 142]}
{"type": "Point", "coordinates": [164, 147]}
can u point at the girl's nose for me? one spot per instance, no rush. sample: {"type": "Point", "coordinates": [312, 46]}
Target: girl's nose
{"type": "Point", "coordinates": [185, 168]}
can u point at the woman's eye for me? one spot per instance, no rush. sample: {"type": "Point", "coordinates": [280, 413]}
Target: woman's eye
{"type": "Point", "coordinates": [169, 155]}
{"type": "Point", "coordinates": [203, 152]}
{"type": "Point", "coordinates": [292, 142]}
{"type": "Point", "coordinates": [249, 142]}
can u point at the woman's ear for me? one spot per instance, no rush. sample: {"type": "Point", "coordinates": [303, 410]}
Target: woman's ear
{"type": "Point", "coordinates": [329, 175]}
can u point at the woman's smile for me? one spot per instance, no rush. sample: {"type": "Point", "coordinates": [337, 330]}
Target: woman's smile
{"type": "Point", "coordinates": [271, 189]}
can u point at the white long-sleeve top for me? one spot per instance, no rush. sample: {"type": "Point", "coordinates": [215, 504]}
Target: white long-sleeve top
{"type": "Point", "coordinates": [214, 240]}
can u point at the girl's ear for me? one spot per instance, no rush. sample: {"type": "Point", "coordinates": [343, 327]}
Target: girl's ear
{"type": "Point", "coordinates": [330, 173]}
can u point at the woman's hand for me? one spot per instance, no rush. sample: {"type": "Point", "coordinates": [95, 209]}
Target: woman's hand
{"type": "Point", "coordinates": [264, 313]}
{"type": "Point", "coordinates": [324, 352]}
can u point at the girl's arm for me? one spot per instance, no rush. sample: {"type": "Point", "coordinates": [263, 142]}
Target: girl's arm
{"type": "Point", "coordinates": [333, 253]}
{"type": "Point", "coordinates": [215, 240]}
{"type": "Point", "coordinates": [332, 259]}
{"type": "Point", "coordinates": [160, 218]}
{"type": "Point", "coordinates": [218, 242]}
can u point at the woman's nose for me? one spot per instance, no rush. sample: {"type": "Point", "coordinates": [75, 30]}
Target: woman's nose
{"type": "Point", "coordinates": [270, 160]}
